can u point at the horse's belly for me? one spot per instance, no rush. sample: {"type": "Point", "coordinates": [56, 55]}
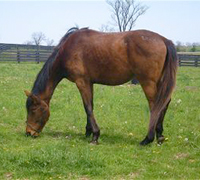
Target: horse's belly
{"type": "Point", "coordinates": [113, 76]}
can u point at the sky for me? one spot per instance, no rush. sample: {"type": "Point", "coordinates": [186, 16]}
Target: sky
{"type": "Point", "coordinates": [176, 20]}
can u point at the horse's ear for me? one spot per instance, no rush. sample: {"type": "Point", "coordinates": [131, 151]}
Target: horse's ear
{"type": "Point", "coordinates": [35, 99]}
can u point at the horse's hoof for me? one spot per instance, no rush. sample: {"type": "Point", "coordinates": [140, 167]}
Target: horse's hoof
{"type": "Point", "coordinates": [146, 141]}
{"type": "Point", "coordinates": [27, 134]}
{"type": "Point", "coordinates": [161, 139]}
{"type": "Point", "coordinates": [88, 134]}
{"type": "Point", "coordinates": [94, 142]}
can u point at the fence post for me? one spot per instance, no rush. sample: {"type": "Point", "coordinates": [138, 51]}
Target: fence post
{"type": "Point", "coordinates": [179, 62]}
{"type": "Point", "coordinates": [37, 55]}
{"type": "Point", "coordinates": [196, 61]}
{"type": "Point", "coordinates": [179, 59]}
{"type": "Point", "coordinates": [18, 54]}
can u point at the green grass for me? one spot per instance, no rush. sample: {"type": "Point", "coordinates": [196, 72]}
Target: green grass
{"type": "Point", "coordinates": [62, 151]}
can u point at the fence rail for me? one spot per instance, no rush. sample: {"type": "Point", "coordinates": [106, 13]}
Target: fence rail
{"type": "Point", "coordinates": [22, 53]}
{"type": "Point", "coordinates": [189, 60]}
{"type": "Point", "coordinates": [31, 53]}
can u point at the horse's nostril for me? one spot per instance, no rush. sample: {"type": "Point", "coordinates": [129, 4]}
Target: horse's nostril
{"type": "Point", "coordinates": [34, 136]}
{"type": "Point", "coordinates": [27, 134]}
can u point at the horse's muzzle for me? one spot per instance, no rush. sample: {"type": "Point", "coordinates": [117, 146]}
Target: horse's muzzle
{"type": "Point", "coordinates": [27, 134]}
{"type": "Point", "coordinates": [32, 133]}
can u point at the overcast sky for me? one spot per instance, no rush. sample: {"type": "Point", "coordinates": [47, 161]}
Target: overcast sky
{"type": "Point", "coordinates": [176, 20]}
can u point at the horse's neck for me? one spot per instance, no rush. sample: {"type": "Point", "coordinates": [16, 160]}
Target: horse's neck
{"type": "Point", "coordinates": [47, 93]}
{"type": "Point", "coordinates": [45, 89]}
{"type": "Point", "coordinates": [49, 77]}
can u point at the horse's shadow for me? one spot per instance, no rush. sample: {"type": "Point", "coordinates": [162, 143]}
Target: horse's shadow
{"type": "Point", "coordinates": [105, 138]}
{"type": "Point", "coordinates": [118, 139]}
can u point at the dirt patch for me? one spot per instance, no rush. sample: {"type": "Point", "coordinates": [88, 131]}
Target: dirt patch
{"type": "Point", "coordinates": [192, 88]}
{"type": "Point", "coordinates": [181, 156]}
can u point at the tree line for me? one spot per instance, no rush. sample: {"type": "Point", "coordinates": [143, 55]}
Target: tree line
{"type": "Point", "coordinates": [187, 47]}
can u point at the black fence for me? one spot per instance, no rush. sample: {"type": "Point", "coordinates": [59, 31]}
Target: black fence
{"type": "Point", "coordinates": [189, 60]}
{"type": "Point", "coordinates": [31, 53]}
{"type": "Point", "coordinates": [22, 53]}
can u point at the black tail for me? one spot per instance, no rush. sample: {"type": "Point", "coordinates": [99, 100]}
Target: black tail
{"type": "Point", "coordinates": [167, 81]}
{"type": "Point", "coordinates": [165, 88]}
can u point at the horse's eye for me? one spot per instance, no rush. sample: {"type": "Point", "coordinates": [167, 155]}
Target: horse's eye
{"type": "Point", "coordinates": [42, 109]}
{"type": "Point", "coordinates": [34, 109]}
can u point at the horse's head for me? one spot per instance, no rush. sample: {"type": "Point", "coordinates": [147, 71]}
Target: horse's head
{"type": "Point", "coordinates": [37, 114]}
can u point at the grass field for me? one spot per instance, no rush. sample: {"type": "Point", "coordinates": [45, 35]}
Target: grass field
{"type": "Point", "coordinates": [62, 151]}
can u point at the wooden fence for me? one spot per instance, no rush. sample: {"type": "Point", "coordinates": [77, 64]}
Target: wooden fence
{"type": "Point", "coordinates": [189, 60]}
{"type": "Point", "coordinates": [23, 53]}
{"type": "Point", "coordinates": [31, 53]}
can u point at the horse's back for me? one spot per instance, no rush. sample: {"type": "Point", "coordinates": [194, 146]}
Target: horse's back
{"type": "Point", "coordinates": [113, 58]}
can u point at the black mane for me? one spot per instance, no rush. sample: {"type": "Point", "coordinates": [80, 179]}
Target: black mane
{"type": "Point", "coordinates": [43, 76]}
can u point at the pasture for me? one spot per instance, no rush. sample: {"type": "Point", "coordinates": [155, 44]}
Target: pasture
{"type": "Point", "coordinates": [63, 152]}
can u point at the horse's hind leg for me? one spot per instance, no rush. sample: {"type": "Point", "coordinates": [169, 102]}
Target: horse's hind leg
{"type": "Point", "coordinates": [86, 91]}
{"type": "Point", "coordinates": [150, 89]}
{"type": "Point", "coordinates": [159, 126]}
{"type": "Point", "coordinates": [156, 117]}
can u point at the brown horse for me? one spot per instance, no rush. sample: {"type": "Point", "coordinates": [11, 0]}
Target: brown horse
{"type": "Point", "coordinates": [86, 57]}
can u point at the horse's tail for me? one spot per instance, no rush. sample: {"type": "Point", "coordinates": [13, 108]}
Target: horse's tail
{"type": "Point", "coordinates": [165, 88]}
{"type": "Point", "coordinates": [167, 81]}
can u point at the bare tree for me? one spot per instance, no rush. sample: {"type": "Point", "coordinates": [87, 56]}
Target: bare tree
{"type": "Point", "coordinates": [194, 47]}
{"type": "Point", "coordinates": [188, 44]}
{"type": "Point", "coordinates": [126, 12]}
{"type": "Point", "coordinates": [106, 28]}
{"type": "Point", "coordinates": [179, 44]}
{"type": "Point", "coordinates": [38, 37]}
{"type": "Point", "coordinates": [28, 42]}
{"type": "Point", "coordinates": [49, 42]}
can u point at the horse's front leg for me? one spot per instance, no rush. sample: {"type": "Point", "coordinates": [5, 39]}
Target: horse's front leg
{"type": "Point", "coordinates": [88, 128]}
{"type": "Point", "coordinates": [86, 91]}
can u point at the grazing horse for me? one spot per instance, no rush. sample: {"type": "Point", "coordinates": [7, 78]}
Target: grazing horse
{"type": "Point", "coordinates": [86, 57]}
